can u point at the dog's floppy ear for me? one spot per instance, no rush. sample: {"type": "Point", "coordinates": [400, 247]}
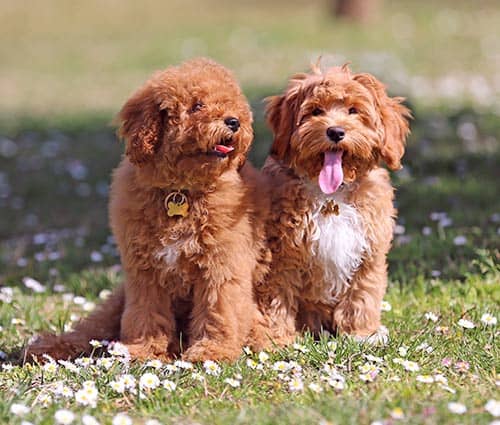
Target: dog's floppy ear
{"type": "Point", "coordinates": [394, 116]}
{"type": "Point", "coordinates": [276, 116]}
{"type": "Point", "coordinates": [141, 125]}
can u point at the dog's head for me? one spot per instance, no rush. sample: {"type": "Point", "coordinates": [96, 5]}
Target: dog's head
{"type": "Point", "coordinates": [187, 124]}
{"type": "Point", "coordinates": [335, 126]}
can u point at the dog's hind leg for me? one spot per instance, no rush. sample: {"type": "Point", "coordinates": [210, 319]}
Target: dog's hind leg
{"type": "Point", "coordinates": [102, 324]}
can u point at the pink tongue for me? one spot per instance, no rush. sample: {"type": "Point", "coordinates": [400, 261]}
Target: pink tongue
{"type": "Point", "coordinates": [331, 175]}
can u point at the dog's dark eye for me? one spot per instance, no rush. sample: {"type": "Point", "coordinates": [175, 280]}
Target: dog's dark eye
{"type": "Point", "coordinates": [352, 110]}
{"type": "Point", "coordinates": [197, 106]}
{"type": "Point", "coordinates": [317, 111]}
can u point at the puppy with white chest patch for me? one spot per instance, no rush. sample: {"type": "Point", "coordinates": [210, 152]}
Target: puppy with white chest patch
{"type": "Point", "coordinates": [332, 217]}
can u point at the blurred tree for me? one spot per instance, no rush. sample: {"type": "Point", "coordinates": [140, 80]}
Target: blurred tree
{"type": "Point", "coordinates": [356, 10]}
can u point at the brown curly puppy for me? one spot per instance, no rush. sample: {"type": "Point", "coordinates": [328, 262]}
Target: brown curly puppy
{"type": "Point", "coordinates": [185, 217]}
{"type": "Point", "coordinates": [332, 216]}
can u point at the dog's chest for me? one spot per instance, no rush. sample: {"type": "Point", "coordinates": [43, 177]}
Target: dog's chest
{"type": "Point", "coordinates": [338, 243]}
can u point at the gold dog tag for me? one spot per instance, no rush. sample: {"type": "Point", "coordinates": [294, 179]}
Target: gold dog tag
{"type": "Point", "coordinates": [176, 204]}
{"type": "Point", "coordinates": [330, 207]}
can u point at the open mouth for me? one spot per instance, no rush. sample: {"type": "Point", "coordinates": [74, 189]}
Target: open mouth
{"type": "Point", "coordinates": [223, 148]}
{"type": "Point", "coordinates": [331, 175]}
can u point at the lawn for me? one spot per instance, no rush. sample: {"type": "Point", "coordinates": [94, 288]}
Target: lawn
{"type": "Point", "coordinates": [68, 67]}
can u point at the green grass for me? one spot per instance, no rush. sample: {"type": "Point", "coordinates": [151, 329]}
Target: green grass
{"type": "Point", "coordinates": [265, 398]}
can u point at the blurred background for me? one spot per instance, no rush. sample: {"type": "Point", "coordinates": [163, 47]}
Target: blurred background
{"type": "Point", "coordinates": [66, 67]}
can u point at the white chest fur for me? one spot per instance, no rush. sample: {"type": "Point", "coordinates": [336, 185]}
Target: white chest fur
{"type": "Point", "coordinates": [172, 249]}
{"type": "Point", "coordinates": [339, 243]}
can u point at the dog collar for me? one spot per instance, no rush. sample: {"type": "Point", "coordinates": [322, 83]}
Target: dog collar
{"type": "Point", "coordinates": [176, 203]}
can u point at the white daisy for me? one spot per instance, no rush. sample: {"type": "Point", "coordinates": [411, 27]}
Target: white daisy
{"type": "Point", "coordinates": [493, 408]}
{"type": "Point", "coordinates": [156, 364]}
{"type": "Point", "coordinates": [431, 316]}
{"type": "Point", "coordinates": [169, 385]}
{"type": "Point", "coordinates": [457, 408]}
{"type": "Point", "coordinates": [488, 319]}
{"type": "Point", "coordinates": [232, 382]}
{"type": "Point", "coordinates": [64, 417]}
{"type": "Point", "coordinates": [467, 324]}
{"type": "Point", "coordinates": [281, 366]}
{"type": "Point", "coordinates": [211, 368]}
{"type": "Point", "coordinates": [315, 388]}
{"type": "Point", "coordinates": [385, 306]}
{"type": "Point", "coordinates": [263, 357]}
{"type": "Point", "coordinates": [19, 409]}
{"type": "Point", "coordinates": [296, 385]}
{"type": "Point", "coordinates": [426, 379]}
{"type": "Point", "coordinates": [89, 420]}
{"type": "Point", "coordinates": [410, 366]}
{"type": "Point", "coordinates": [149, 381]}
{"type": "Point", "coordinates": [121, 419]}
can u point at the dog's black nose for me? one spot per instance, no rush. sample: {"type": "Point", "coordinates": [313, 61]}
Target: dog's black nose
{"type": "Point", "coordinates": [233, 123]}
{"type": "Point", "coordinates": [335, 134]}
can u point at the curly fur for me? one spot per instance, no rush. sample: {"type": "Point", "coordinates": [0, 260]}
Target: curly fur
{"type": "Point", "coordinates": [329, 271]}
{"type": "Point", "coordinates": [191, 276]}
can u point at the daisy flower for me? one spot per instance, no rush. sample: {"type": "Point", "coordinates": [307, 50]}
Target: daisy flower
{"type": "Point", "coordinates": [119, 350]}
{"type": "Point", "coordinates": [332, 345]}
{"type": "Point", "coordinates": [488, 319]}
{"type": "Point", "coordinates": [300, 347]}
{"type": "Point", "coordinates": [171, 368]}
{"type": "Point", "coordinates": [89, 420]}
{"type": "Point", "coordinates": [441, 379]}
{"type": "Point", "coordinates": [457, 408]}
{"type": "Point", "coordinates": [337, 385]}
{"type": "Point", "coordinates": [86, 397]}
{"type": "Point", "coordinates": [296, 385]}
{"type": "Point", "coordinates": [50, 367]}
{"type": "Point", "coordinates": [493, 407]}
{"type": "Point", "coordinates": [182, 364]}
{"type": "Point", "coordinates": [431, 316]}
{"type": "Point", "coordinates": [19, 409]}
{"type": "Point", "coordinates": [128, 381]}
{"type": "Point", "coordinates": [169, 385]}
{"type": "Point", "coordinates": [281, 366]}
{"type": "Point", "coordinates": [117, 386]}
{"type": "Point", "coordinates": [397, 413]}
{"type": "Point", "coordinates": [149, 381]}
{"type": "Point", "coordinates": [462, 366]}
{"type": "Point", "coordinates": [403, 351]}
{"type": "Point", "coordinates": [211, 368]}
{"type": "Point", "coordinates": [385, 306]}
{"type": "Point", "coordinates": [426, 379]}
{"type": "Point", "coordinates": [45, 399]}
{"type": "Point", "coordinates": [197, 376]}
{"type": "Point", "coordinates": [410, 366]}
{"type": "Point", "coordinates": [64, 417]}
{"type": "Point", "coordinates": [232, 382]}
{"type": "Point", "coordinates": [105, 362]}
{"type": "Point", "coordinates": [84, 361]}
{"type": "Point", "coordinates": [94, 343]}
{"type": "Point", "coordinates": [121, 419]}
{"type": "Point", "coordinates": [315, 388]}
{"type": "Point", "coordinates": [156, 364]}
{"type": "Point", "coordinates": [446, 362]}
{"type": "Point", "coordinates": [263, 357]}
{"type": "Point", "coordinates": [466, 324]}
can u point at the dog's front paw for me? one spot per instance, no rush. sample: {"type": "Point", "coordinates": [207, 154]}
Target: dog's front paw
{"type": "Point", "coordinates": [143, 352]}
{"type": "Point", "coordinates": [379, 338]}
{"type": "Point", "coordinates": [211, 350]}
